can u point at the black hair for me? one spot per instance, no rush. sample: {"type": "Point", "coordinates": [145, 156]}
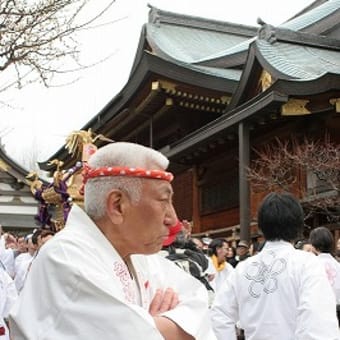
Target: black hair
{"type": "Point", "coordinates": [280, 217]}
{"type": "Point", "coordinates": [35, 236]}
{"type": "Point", "coordinates": [214, 245]}
{"type": "Point", "coordinates": [46, 232]}
{"type": "Point", "coordinates": [322, 240]}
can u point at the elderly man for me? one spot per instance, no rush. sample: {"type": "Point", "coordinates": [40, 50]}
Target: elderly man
{"type": "Point", "coordinates": [101, 277]}
{"type": "Point", "coordinates": [281, 293]}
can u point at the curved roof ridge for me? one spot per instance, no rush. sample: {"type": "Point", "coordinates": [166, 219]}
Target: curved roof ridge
{"type": "Point", "coordinates": [312, 16]}
{"type": "Point", "coordinates": [185, 44]}
{"type": "Point", "coordinates": [159, 16]}
{"type": "Point", "coordinates": [15, 168]}
{"type": "Point", "coordinates": [11, 166]}
{"type": "Point", "coordinates": [299, 61]}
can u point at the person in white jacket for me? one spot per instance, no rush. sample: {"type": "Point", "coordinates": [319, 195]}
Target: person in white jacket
{"type": "Point", "coordinates": [323, 244]}
{"type": "Point", "coordinates": [101, 277]}
{"type": "Point", "coordinates": [7, 257]}
{"type": "Point", "coordinates": [217, 250]}
{"type": "Point", "coordinates": [281, 293]}
{"type": "Point", "coordinates": [8, 296]}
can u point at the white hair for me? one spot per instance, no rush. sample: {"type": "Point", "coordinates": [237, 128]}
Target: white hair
{"type": "Point", "coordinates": [118, 154]}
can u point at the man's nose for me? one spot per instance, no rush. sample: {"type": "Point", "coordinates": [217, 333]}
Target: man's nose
{"type": "Point", "coordinates": [171, 216]}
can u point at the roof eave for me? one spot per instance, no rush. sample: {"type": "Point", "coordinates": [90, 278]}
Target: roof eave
{"type": "Point", "coordinates": [220, 125]}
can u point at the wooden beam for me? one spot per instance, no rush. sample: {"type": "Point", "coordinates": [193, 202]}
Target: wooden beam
{"type": "Point", "coordinates": [16, 193]}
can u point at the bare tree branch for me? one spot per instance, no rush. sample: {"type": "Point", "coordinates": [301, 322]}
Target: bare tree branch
{"type": "Point", "coordinates": [36, 36]}
{"type": "Point", "coordinates": [282, 164]}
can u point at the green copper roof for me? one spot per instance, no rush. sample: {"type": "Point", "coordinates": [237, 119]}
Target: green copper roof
{"type": "Point", "coordinates": [228, 51]}
{"type": "Point", "coordinates": [313, 16]}
{"type": "Point", "coordinates": [298, 61]}
{"type": "Point", "coordinates": [188, 44]}
{"type": "Point", "coordinates": [218, 72]}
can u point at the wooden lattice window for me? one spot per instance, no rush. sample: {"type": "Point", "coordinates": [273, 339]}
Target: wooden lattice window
{"type": "Point", "coordinates": [218, 195]}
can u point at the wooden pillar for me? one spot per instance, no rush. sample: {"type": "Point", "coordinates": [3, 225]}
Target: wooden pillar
{"type": "Point", "coordinates": [195, 203]}
{"type": "Point", "coordinates": [244, 161]}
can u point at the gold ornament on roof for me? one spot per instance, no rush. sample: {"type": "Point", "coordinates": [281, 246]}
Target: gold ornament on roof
{"type": "Point", "coordinates": [295, 107]}
{"type": "Point", "coordinates": [265, 80]}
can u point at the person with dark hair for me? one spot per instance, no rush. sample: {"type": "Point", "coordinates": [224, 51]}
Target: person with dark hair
{"type": "Point", "coordinates": [280, 293]}
{"type": "Point", "coordinates": [44, 236]}
{"type": "Point", "coordinates": [35, 236]}
{"type": "Point", "coordinates": [230, 256]}
{"type": "Point", "coordinates": [217, 251]}
{"type": "Point", "coordinates": [242, 251]}
{"type": "Point", "coordinates": [323, 243]}
{"type": "Point", "coordinates": [322, 240]}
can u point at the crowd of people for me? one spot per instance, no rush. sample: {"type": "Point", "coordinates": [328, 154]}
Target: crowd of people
{"type": "Point", "coordinates": [16, 255]}
{"type": "Point", "coordinates": [126, 267]}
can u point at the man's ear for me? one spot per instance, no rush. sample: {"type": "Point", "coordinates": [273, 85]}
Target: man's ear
{"type": "Point", "coordinates": [115, 205]}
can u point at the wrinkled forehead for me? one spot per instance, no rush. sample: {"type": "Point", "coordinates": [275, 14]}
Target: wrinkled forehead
{"type": "Point", "coordinates": [157, 185]}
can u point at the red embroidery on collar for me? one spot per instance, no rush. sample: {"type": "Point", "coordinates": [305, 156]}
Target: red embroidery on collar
{"type": "Point", "coordinates": [2, 330]}
{"type": "Point", "coordinates": [122, 272]}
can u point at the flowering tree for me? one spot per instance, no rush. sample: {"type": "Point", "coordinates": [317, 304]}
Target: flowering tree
{"type": "Point", "coordinates": [312, 167]}
{"type": "Point", "coordinates": [36, 35]}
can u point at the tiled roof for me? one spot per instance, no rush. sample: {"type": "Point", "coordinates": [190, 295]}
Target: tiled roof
{"type": "Point", "coordinates": [315, 15]}
{"type": "Point", "coordinates": [189, 45]}
{"type": "Point", "coordinates": [299, 61]}
{"type": "Point", "coordinates": [229, 51]}
{"type": "Point", "coordinates": [190, 40]}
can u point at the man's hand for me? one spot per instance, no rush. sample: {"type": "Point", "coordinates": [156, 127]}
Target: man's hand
{"type": "Point", "coordinates": [163, 301]}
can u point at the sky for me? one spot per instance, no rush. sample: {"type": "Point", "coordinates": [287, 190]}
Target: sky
{"type": "Point", "coordinates": [35, 120]}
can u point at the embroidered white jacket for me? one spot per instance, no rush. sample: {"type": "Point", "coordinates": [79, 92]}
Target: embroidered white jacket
{"type": "Point", "coordinates": [332, 268]}
{"type": "Point", "coordinates": [281, 293]}
{"type": "Point", "coordinates": [8, 295]}
{"type": "Point", "coordinates": [79, 288]}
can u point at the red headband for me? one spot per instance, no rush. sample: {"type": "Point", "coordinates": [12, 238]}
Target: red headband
{"type": "Point", "coordinates": [124, 171]}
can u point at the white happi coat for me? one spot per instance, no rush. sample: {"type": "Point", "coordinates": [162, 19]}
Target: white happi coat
{"type": "Point", "coordinates": [221, 276]}
{"type": "Point", "coordinates": [78, 287]}
{"type": "Point", "coordinates": [281, 293]}
{"type": "Point", "coordinates": [8, 295]}
{"type": "Point", "coordinates": [332, 268]}
{"type": "Point", "coordinates": [7, 257]}
{"type": "Point", "coordinates": [22, 267]}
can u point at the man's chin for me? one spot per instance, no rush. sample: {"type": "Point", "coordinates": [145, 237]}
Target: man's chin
{"type": "Point", "coordinates": [152, 248]}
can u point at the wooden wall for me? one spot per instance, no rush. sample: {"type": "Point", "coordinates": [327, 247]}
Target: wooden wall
{"type": "Point", "coordinates": [189, 185]}
{"type": "Point", "coordinates": [183, 195]}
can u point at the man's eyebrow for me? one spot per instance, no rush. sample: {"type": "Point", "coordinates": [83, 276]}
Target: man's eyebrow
{"type": "Point", "coordinates": [167, 190]}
